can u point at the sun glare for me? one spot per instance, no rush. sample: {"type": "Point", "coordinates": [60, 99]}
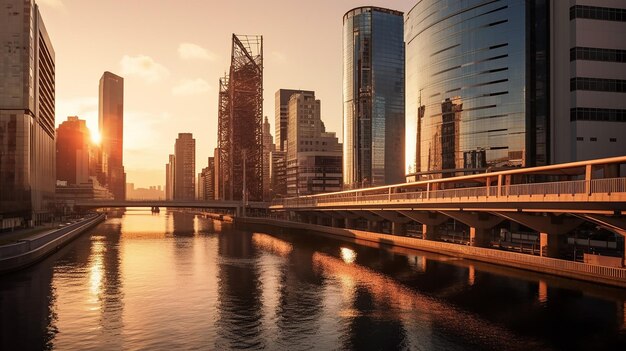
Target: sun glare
{"type": "Point", "coordinates": [95, 137]}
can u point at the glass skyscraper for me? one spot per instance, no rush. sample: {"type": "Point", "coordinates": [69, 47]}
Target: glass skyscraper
{"type": "Point", "coordinates": [111, 123]}
{"type": "Point", "coordinates": [477, 85]}
{"type": "Point", "coordinates": [373, 97]}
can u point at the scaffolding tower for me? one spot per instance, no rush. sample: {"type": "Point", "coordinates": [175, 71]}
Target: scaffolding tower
{"type": "Point", "coordinates": [240, 121]}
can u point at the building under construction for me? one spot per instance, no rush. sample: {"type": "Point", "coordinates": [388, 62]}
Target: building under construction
{"type": "Point", "coordinates": [240, 119]}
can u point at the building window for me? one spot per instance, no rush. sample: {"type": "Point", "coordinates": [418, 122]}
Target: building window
{"type": "Point", "coordinates": [597, 13]}
{"type": "Point", "coordinates": [597, 114]}
{"type": "Point", "coordinates": [593, 139]}
{"type": "Point", "coordinates": [597, 84]}
{"type": "Point", "coordinates": [580, 139]}
{"type": "Point", "coordinates": [597, 54]}
{"type": "Point", "coordinates": [613, 140]}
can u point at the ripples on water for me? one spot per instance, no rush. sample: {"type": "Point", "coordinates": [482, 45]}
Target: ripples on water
{"type": "Point", "coordinates": [178, 281]}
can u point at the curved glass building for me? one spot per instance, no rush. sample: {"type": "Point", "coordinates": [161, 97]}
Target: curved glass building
{"type": "Point", "coordinates": [373, 97]}
{"type": "Point", "coordinates": [477, 85]}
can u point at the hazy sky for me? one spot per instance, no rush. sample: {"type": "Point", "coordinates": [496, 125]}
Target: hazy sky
{"type": "Point", "coordinates": [171, 54]}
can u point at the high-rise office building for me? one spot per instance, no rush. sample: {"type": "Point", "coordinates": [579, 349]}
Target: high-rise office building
{"type": "Point", "coordinates": [240, 119]}
{"type": "Point", "coordinates": [528, 83]}
{"type": "Point", "coordinates": [27, 108]}
{"type": "Point", "coordinates": [170, 168]}
{"type": "Point", "coordinates": [281, 110]}
{"type": "Point", "coordinates": [373, 97]}
{"type": "Point", "coordinates": [314, 156]}
{"type": "Point", "coordinates": [185, 167]}
{"type": "Point", "coordinates": [278, 174]}
{"type": "Point", "coordinates": [588, 79]}
{"type": "Point", "coordinates": [111, 124]}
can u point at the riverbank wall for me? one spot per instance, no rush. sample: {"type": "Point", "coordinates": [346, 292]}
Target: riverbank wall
{"type": "Point", "coordinates": [569, 269]}
{"type": "Point", "coordinates": [28, 251]}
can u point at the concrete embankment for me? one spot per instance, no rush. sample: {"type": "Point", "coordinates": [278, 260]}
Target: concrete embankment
{"type": "Point", "coordinates": [30, 250]}
{"type": "Point", "coordinates": [569, 269]}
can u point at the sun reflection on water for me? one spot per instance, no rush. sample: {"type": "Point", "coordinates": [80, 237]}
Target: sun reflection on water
{"type": "Point", "coordinates": [348, 255]}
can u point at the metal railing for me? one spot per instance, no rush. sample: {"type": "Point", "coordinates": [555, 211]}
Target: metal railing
{"type": "Point", "coordinates": [578, 187]}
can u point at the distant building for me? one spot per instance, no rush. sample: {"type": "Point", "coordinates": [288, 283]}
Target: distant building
{"type": "Point", "coordinates": [281, 110]}
{"type": "Point", "coordinates": [170, 167]}
{"type": "Point", "coordinates": [185, 167]}
{"type": "Point", "coordinates": [111, 123]}
{"type": "Point", "coordinates": [73, 151]}
{"type": "Point", "coordinates": [27, 110]}
{"type": "Point", "coordinates": [206, 181]}
{"type": "Point", "coordinates": [314, 156]}
{"type": "Point", "coordinates": [278, 174]}
{"type": "Point", "coordinates": [150, 193]}
{"type": "Point", "coordinates": [268, 148]}
{"type": "Point", "coordinates": [373, 97]}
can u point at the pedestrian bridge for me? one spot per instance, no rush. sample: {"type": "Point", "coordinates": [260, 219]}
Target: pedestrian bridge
{"type": "Point", "coordinates": [551, 200]}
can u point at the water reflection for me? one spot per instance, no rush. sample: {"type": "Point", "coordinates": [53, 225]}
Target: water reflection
{"type": "Point", "coordinates": [180, 281]}
{"type": "Point", "coordinates": [239, 304]}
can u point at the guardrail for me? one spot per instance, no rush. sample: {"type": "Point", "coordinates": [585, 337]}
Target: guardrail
{"type": "Point", "coordinates": [597, 186]}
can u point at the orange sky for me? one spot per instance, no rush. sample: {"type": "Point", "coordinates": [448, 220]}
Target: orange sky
{"type": "Point", "coordinates": [172, 53]}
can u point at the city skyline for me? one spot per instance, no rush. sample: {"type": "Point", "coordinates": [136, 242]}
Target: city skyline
{"type": "Point", "coordinates": [180, 68]}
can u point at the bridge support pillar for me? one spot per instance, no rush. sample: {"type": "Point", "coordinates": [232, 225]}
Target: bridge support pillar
{"type": "Point", "coordinates": [550, 245]}
{"type": "Point", "coordinates": [429, 232]}
{"type": "Point", "coordinates": [480, 237]}
{"type": "Point", "coordinates": [398, 228]}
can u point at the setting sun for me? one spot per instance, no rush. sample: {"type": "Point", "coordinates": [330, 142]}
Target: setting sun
{"type": "Point", "coordinates": [95, 137]}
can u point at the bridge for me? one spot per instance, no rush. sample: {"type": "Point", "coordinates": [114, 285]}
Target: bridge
{"type": "Point", "coordinates": [551, 200]}
{"type": "Point", "coordinates": [235, 206]}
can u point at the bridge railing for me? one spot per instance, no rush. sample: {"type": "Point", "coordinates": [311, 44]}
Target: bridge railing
{"type": "Point", "coordinates": [609, 185]}
{"type": "Point", "coordinates": [595, 186]}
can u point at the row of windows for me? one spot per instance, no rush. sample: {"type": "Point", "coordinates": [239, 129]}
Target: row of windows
{"type": "Point", "coordinates": [598, 84]}
{"type": "Point", "coordinates": [597, 114]}
{"type": "Point", "coordinates": [598, 13]}
{"type": "Point", "coordinates": [611, 140]}
{"type": "Point", "coordinates": [597, 54]}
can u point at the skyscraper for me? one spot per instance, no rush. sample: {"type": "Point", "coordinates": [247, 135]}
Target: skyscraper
{"type": "Point", "coordinates": [314, 156]}
{"type": "Point", "coordinates": [529, 83]}
{"type": "Point", "coordinates": [185, 167]}
{"type": "Point", "coordinates": [240, 119]}
{"type": "Point", "coordinates": [281, 110]}
{"type": "Point", "coordinates": [373, 97]}
{"type": "Point", "coordinates": [27, 107]}
{"type": "Point", "coordinates": [111, 124]}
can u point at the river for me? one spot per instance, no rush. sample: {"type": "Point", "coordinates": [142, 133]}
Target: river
{"type": "Point", "coordinates": [175, 280]}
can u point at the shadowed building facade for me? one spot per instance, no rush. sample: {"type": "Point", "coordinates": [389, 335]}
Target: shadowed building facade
{"type": "Point", "coordinates": [27, 107]}
{"type": "Point", "coordinates": [373, 97]}
{"type": "Point", "coordinates": [111, 124]}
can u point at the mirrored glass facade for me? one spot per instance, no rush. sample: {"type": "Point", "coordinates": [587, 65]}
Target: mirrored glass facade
{"type": "Point", "coordinates": [476, 87]}
{"type": "Point", "coordinates": [373, 97]}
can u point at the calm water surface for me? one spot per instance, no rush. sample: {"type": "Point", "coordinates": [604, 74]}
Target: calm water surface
{"type": "Point", "coordinates": [178, 281]}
